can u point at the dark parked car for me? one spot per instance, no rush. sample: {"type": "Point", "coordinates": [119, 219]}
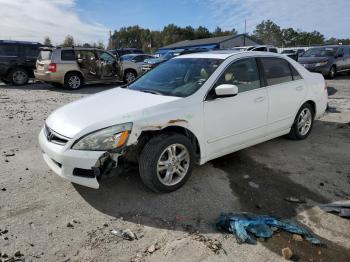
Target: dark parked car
{"type": "Point", "coordinates": [327, 60]}
{"type": "Point", "coordinates": [153, 62]}
{"type": "Point", "coordinates": [293, 53]}
{"type": "Point", "coordinates": [17, 61]}
{"type": "Point", "coordinates": [124, 51]}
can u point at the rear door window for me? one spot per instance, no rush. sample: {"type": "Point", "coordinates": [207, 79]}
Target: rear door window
{"type": "Point", "coordinates": [295, 73]}
{"type": "Point", "coordinates": [68, 55]}
{"type": "Point", "coordinates": [31, 51]}
{"type": "Point", "coordinates": [276, 70]}
{"type": "Point", "coordinates": [9, 50]}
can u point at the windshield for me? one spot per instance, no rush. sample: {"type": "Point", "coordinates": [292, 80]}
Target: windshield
{"type": "Point", "coordinates": [177, 77]}
{"type": "Point", "coordinates": [169, 55]}
{"type": "Point", "coordinates": [127, 57]}
{"type": "Point", "coordinates": [321, 52]}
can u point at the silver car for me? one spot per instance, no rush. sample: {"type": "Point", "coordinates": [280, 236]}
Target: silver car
{"type": "Point", "coordinates": [132, 66]}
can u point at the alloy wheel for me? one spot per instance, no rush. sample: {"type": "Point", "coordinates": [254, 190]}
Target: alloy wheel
{"type": "Point", "coordinates": [74, 82]}
{"type": "Point", "coordinates": [129, 77]}
{"type": "Point", "coordinates": [304, 121]}
{"type": "Point", "coordinates": [173, 164]}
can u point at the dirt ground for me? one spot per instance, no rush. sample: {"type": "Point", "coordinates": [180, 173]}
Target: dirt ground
{"type": "Point", "coordinates": [46, 218]}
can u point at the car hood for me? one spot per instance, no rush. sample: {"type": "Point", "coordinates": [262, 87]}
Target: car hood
{"type": "Point", "coordinates": [104, 109]}
{"type": "Point", "coordinates": [154, 60]}
{"type": "Point", "coordinates": [311, 60]}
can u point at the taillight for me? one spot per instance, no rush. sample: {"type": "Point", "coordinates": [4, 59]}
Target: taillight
{"type": "Point", "coordinates": [52, 67]}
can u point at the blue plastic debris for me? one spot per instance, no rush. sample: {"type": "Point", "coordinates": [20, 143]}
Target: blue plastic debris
{"type": "Point", "coordinates": [244, 224]}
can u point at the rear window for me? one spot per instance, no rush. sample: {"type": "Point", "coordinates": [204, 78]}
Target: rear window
{"type": "Point", "coordinates": [296, 75]}
{"type": "Point", "coordinates": [67, 55]}
{"type": "Point", "coordinates": [8, 50]}
{"type": "Point", "coordinates": [276, 70]}
{"type": "Point", "coordinates": [45, 55]}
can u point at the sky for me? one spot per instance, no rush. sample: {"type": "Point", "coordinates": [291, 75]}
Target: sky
{"type": "Point", "coordinates": [90, 20]}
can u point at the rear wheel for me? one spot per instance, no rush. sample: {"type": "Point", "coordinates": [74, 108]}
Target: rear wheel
{"type": "Point", "coordinates": [303, 123]}
{"type": "Point", "coordinates": [19, 76]}
{"type": "Point", "coordinates": [6, 81]}
{"type": "Point", "coordinates": [332, 72]}
{"type": "Point", "coordinates": [73, 81]}
{"type": "Point", "coordinates": [166, 162]}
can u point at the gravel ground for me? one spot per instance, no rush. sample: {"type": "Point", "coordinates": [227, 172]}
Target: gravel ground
{"type": "Point", "coordinates": [46, 218]}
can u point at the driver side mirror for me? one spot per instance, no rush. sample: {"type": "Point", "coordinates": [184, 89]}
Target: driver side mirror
{"type": "Point", "coordinates": [340, 55]}
{"type": "Point", "coordinates": [226, 90]}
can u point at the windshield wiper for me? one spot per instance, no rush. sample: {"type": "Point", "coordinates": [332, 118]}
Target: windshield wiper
{"type": "Point", "coordinates": [150, 91]}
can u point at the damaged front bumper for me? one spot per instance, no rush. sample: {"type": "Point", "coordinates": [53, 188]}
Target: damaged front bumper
{"type": "Point", "coordinates": [79, 167]}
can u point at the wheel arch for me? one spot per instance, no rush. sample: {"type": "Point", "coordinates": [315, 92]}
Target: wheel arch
{"type": "Point", "coordinates": [75, 72]}
{"type": "Point", "coordinates": [14, 67]}
{"type": "Point", "coordinates": [146, 135]}
{"type": "Point", "coordinates": [130, 70]}
{"type": "Point", "coordinates": [313, 104]}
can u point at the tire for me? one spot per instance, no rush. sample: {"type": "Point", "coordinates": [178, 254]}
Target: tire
{"type": "Point", "coordinates": [155, 152]}
{"type": "Point", "coordinates": [73, 81]}
{"type": "Point", "coordinates": [297, 132]}
{"type": "Point", "coordinates": [6, 81]}
{"type": "Point", "coordinates": [18, 76]}
{"type": "Point", "coordinates": [129, 76]}
{"type": "Point", "coordinates": [332, 72]}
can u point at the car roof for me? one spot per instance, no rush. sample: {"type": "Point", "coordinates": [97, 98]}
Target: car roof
{"type": "Point", "coordinates": [18, 42]}
{"type": "Point", "coordinates": [220, 54]}
{"type": "Point", "coordinates": [326, 46]}
{"type": "Point", "coordinates": [224, 54]}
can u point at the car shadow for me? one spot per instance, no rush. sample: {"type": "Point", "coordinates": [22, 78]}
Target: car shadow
{"type": "Point", "coordinates": [86, 89]}
{"type": "Point", "coordinates": [219, 186]}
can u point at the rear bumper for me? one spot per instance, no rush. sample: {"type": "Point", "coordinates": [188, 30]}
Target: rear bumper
{"type": "Point", "coordinates": [64, 161]}
{"type": "Point", "coordinates": [48, 77]}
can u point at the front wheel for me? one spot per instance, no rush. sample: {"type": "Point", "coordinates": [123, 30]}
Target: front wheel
{"type": "Point", "coordinates": [303, 123]}
{"type": "Point", "coordinates": [129, 76]}
{"type": "Point", "coordinates": [332, 72]}
{"type": "Point", "coordinates": [166, 162]}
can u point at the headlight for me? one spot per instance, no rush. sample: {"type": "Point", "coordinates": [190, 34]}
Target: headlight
{"type": "Point", "coordinates": [109, 138]}
{"type": "Point", "coordinates": [321, 63]}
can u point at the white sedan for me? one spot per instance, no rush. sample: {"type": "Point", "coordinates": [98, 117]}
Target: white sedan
{"type": "Point", "coordinates": [186, 111]}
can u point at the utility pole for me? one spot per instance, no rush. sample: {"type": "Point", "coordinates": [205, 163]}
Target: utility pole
{"type": "Point", "coordinates": [245, 31]}
{"type": "Point", "coordinates": [110, 40]}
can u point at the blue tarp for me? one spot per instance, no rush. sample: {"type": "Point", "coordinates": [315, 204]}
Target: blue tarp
{"type": "Point", "coordinates": [261, 226]}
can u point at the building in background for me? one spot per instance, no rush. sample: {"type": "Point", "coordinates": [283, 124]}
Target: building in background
{"type": "Point", "coordinates": [212, 43]}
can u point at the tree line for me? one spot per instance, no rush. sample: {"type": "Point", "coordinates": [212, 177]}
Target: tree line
{"type": "Point", "coordinates": [69, 42]}
{"type": "Point", "coordinates": [267, 32]}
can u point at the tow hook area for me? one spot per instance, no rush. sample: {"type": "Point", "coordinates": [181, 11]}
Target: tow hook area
{"type": "Point", "coordinates": [105, 164]}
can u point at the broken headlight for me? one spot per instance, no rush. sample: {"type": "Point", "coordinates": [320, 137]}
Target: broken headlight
{"type": "Point", "coordinates": [109, 138]}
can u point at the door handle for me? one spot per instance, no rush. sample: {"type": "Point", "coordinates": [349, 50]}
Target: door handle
{"type": "Point", "coordinates": [299, 88]}
{"type": "Point", "coordinates": [259, 99]}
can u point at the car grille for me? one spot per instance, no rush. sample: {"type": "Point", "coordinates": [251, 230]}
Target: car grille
{"type": "Point", "coordinates": [53, 137]}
